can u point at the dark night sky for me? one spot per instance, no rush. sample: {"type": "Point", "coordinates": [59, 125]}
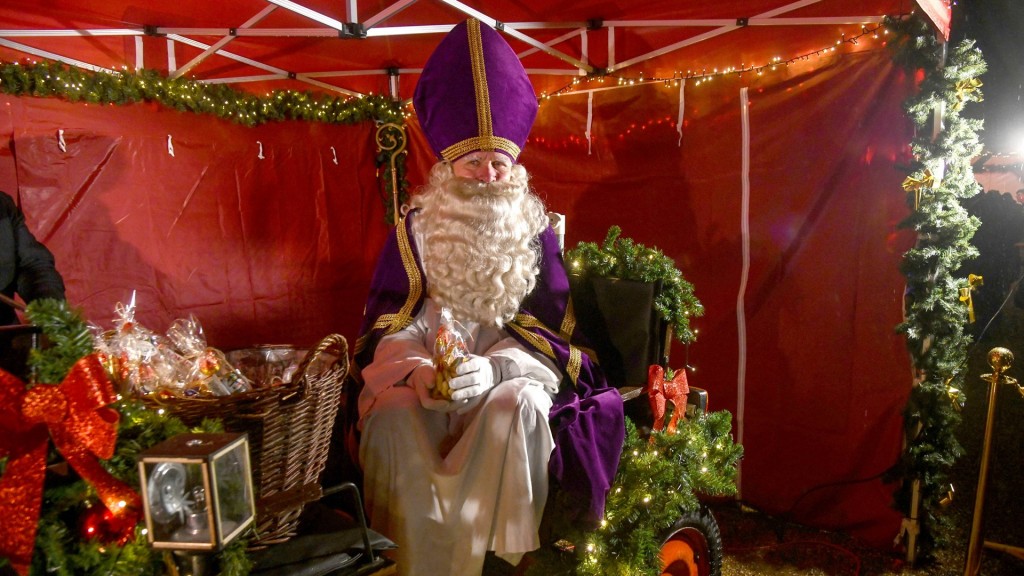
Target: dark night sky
{"type": "Point", "coordinates": [998, 28]}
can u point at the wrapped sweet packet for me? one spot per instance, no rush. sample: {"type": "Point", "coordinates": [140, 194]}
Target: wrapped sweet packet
{"type": "Point", "coordinates": [208, 371]}
{"type": "Point", "coordinates": [138, 360]}
{"type": "Point", "coordinates": [449, 351]}
{"type": "Point", "coordinates": [142, 363]}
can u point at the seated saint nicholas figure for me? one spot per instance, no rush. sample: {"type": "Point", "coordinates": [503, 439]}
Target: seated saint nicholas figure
{"type": "Point", "coordinates": [476, 398]}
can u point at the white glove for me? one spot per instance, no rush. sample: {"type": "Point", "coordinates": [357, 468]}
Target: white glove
{"type": "Point", "coordinates": [474, 376]}
{"type": "Point", "coordinates": [422, 381]}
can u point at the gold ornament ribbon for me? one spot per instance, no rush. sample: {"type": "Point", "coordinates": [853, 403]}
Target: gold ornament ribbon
{"type": "Point", "coordinates": [956, 396]}
{"type": "Point", "coordinates": [75, 414]}
{"type": "Point", "coordinates": [973, 281]}
{"type": "Point", "coordinates": [963, 89]}
{"type": "Point", "coordinates": [915, 185]}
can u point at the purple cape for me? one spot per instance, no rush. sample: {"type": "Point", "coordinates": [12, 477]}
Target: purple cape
{"type": "Point", "coordinates": [586, 418]}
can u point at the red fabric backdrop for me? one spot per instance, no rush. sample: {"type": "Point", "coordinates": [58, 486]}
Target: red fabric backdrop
{"type": "Point", "coordinates": [271, 250]}
{"type": "Point", "coordinates": [280, 249]}
{"type": "Point", "coordinates": [826, 376]}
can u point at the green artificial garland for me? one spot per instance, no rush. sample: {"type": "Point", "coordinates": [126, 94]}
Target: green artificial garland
{"type": "Point", "coordinates": [61, 548]}
{"type": "Point", "coordinates": [54, 79]}
{"type": "Point", "coordinates": [658, 480]}
{"type": "Point", "coordinates": [625, 259]}
{"type": "Point", "coordinates": [935, 316]}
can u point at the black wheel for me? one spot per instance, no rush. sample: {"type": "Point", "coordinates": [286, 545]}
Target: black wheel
{"type": "Point", "coordinates": [693, 546]}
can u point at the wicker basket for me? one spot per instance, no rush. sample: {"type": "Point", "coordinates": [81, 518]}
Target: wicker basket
{"type": "Point", "coordinates": [289, 428]}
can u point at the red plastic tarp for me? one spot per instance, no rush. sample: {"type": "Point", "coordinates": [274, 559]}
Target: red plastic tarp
{"type": "Point", "coordinates": [780, 203]}
{"type": "Point", "coordinates": [806, 339]}
{"type": "Point", "coordinates": [262, 250]}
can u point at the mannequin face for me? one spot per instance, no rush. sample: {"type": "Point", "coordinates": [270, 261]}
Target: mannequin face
{"type": "Point", "coordinates": [484, 166]}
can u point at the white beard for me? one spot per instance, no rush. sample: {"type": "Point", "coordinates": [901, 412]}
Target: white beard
{"type": "Point", "coordinates": [478, 244]}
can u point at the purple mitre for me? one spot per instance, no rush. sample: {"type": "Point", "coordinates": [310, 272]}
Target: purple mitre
{"type": "Point", "coordinates": [474, 94]}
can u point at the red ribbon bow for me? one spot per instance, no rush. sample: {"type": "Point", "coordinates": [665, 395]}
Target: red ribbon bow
{"type": "Point", "coordinates": [660, 392]}
{"type": "Point", "coordinates": [75, 415]}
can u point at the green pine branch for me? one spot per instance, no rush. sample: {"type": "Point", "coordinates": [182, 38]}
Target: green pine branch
{"type": "Point", "coordinates": [625, 259]}
{"type": "Point", "coordinates": [658, 479]}
{"type": "Point", "coordinates": [935, 318]}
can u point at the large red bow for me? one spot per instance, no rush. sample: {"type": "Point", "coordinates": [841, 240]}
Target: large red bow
{"type": "Point", "coordinates": [76, 415]}
{"type": "Point", "coordinates": [661, 391]}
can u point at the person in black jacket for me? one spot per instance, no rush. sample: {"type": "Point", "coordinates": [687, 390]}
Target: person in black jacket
{"type": "Point", "coordinates": [26, 269]}
{"type": "Point", "coordinates": [26, 266]}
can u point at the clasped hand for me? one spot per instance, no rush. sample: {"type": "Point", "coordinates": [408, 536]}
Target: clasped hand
{"type": "Point", "coordinates": [474, 376]}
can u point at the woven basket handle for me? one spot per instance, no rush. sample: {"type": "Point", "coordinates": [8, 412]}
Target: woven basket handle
{"type": "Point", "coordinates": [336, 345]}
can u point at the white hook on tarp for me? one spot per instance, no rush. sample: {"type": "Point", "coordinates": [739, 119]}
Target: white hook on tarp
{"type": "Point", "coordinates": [260, 155]}
{"type": "Point", "coordinates": [60, 141]}
{"type": "Point", "coordinates": [170, 145]}
{"type": "Point", "coordinates": [335, 154]}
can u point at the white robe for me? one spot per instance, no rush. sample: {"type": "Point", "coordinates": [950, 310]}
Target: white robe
{"type": "Point", "coordinates": [449, 481]}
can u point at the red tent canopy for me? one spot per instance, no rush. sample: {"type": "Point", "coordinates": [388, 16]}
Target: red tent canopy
{"type": "Point", "coordinates": [766, 160]}
{"type": "Point", "coordinates": [363, 47]}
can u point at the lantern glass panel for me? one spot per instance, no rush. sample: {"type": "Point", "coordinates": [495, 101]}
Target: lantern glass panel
{"type": "Point", "coordinates": [177, 497]}
{"type": "Point", "coordinates": [234, 490]}
{"type": "Point", "coordinates": [197, 491]}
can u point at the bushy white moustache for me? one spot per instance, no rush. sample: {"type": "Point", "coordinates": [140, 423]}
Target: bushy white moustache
{"type": "Point", "coordinates": [472, 188]}
{"type": "Point", "coordinates": [478, 246]}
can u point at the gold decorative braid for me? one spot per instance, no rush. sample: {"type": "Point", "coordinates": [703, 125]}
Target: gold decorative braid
{"type": "Point", "coordinates": [483, 99]}
{"type": "Point", "coordinates": [461, 148]}
{"type": "Point", "coordinates": [524, 321]}
{"type": "Point", "coordinates": [392, 323]}
{"type": "Point", "coordinates": [535, 340]}
{"type": "Point", "coordinates": [574, 364]}
{"type": "Point", "coordinates": [409, 263]}
{"type": "Point", "coordinates": [569, 326]}
{"type": "Point", "coordinates": [569, 322]}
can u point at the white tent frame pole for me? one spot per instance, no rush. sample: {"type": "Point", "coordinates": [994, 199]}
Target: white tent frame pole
{"type": "Point", "coordinates": [372, 29]}
{"type": "Point", "coordinates": [243, 79]}
{"type": "Point", "coordinates": [216, 46]}
{"type": "Point", "coordinates": [559, 40]}
{"type": "Point", "coordinates": [611, 47]}
{"type": "Point", "coordinates": [53, 56]}
{"type": "Point", "coordinates": [140, 56]}
{"type": "Point", "coordinates": [305, 78]}
{"type": "Point", "coordinates": [584, 48]}
{"type": "Point", "coordinates": [377, 31]}
{"type": "Point", "coordinates": [508, 29]}
{"type": "Point", "coordinates": [226, 54]}
{"type": "Point", "coordinates": [278, 71]}
{"type": "Point", "coordinates": [59, 33]}
{"type": "Point", "coordinates": [408, 30]}
{"type": "Point", "coordinates": [310, 13]}
{"type": "Point", "coordinates": [711, 34]}
{"type": "Point", "coordinates": [384, 14]}
{"type": "Point", "coordinates": [756, 21]}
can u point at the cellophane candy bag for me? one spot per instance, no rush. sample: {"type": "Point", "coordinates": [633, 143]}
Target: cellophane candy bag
{"type": "Point", "coordinates": [210, 372]}
{"type": "Point", "coordinates": [139, 361]}
{"type": "Point", "coordinates": [449, 351]}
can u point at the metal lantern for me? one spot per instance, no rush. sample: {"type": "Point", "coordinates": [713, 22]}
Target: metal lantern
{"type": "Point", "coordinates": [197, 491]}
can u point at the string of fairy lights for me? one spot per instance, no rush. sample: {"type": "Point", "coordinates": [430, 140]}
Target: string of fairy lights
{"type": "Point", "coordinates": [251, 109]}
{"type": "Point", "coordinates": [868, 32]}
{"type": "Point", "coordinates": [50, 78]}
